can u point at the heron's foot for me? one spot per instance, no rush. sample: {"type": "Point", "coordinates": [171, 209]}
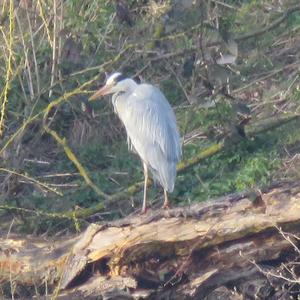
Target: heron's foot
{"type": "Point", "coordinates": [166, 205]}
{"type": "Point", "coordinates": [144, 210]}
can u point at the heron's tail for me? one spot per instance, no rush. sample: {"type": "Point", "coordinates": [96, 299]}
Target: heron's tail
{"type": "Point", "coordinates": [166, 175]}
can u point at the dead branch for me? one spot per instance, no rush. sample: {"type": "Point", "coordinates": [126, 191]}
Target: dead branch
{"type": "Point", "coordinates": [183, 253]}
{"type": "Point", "coordinates": [271, 26]}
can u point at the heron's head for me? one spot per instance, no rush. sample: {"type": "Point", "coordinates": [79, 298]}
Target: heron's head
{"type": "Point", "coordinates": [114, 83]}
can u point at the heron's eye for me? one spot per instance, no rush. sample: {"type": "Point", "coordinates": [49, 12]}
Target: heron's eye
{"type": "Point", "coordinates": [119, 78]}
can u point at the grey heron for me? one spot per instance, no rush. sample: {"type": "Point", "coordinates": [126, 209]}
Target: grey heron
{"type": "Point", "coordinates": [151, 128]}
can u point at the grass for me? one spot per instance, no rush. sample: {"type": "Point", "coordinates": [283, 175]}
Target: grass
{"type": "Point", "coordinates": [104, 153]}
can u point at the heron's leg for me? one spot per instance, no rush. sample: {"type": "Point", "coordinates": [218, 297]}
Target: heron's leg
{"type": "Point", "coordinates": [144, 208]}
{"type": "Point", "coordinates": [166, 202]}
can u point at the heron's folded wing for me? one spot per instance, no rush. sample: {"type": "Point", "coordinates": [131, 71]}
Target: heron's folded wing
{"type": "Point", "coordinates": [150, 122]}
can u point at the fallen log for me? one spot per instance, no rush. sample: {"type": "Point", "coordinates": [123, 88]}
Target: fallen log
{"type": "Point", "coordinates": [181, 253]}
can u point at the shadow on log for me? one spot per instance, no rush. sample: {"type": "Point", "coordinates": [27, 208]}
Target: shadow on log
{"type": "Point", "coordinates": [223, 249]}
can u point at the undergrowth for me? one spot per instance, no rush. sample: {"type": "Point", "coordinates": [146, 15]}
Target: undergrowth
{"type": "Point", "coordinates": [88, 34]}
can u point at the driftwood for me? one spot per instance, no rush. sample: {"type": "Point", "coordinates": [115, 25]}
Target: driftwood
{"type": "Point", "coordinates": [183, 253]}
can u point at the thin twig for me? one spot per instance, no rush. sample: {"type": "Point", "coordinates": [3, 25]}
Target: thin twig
{"type": "Point", "coordinates": [54, 50]}
{"type": "Point", "coordinates": [264, 77]}
{"type": "Point", "coordinates": [37, 76]}
{"type": "Point", "coordinates": [180, 84]}
{"type": "Point", "coordinates": [268, 273]}
{"type": "Point", "coordinates": [45, 22]}
{"type": "Point", "coordinates": [59, 50]}
{"type": "Point", "coordinates": [225, 4]}
{"type": "Point", "coordinates": [8, 67]}
{"type": "Point", "coordinates": [286, 236]}
{"type": "Point", "coordinates": [35, 181]}
{"type": "Point", "coordinates": [58, 101]}
{"type": "Point", "coordinates": [28, 73]}
{"type": "Point", "coordinates": [271, 26]}
{"type": "Point", "coordinates": [10, 227]}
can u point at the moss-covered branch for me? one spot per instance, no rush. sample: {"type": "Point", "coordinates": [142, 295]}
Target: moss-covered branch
{"type": "Point", "coordinates": [64, 98]}
{"type": "Point", "coordinates": [251, 130]}
{"type": "Point", "coordinates": [72, 157]}
{"type": "Point", "coordinates": [134, 52]}
{"type": "Point", "coordinates": [271, 26]}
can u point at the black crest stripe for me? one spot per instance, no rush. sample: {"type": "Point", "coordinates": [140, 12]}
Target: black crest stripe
{"type": "Point", "coordinates": [120, 78]}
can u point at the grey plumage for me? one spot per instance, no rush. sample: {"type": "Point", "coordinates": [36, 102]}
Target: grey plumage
{"type": "Point", "coordinates": [150, 125]}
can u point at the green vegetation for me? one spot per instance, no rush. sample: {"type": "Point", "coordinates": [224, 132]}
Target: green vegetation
{"type": "Point", "coordinates": [55, 50]}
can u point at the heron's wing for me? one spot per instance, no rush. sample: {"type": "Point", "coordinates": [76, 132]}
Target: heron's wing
{"type": "Point", "coordinates": [150, 119]}
{"type": "Point", "coordinates": [151, 126]}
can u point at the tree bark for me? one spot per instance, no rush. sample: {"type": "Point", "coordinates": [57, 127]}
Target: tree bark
{"type": "Point", "coordinates": [182, 253]}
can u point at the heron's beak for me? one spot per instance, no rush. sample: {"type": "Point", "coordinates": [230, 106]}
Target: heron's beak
{"type": "Point", "coordinates": [103, 91]}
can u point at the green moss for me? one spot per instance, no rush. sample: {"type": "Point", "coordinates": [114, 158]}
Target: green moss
{"type": "Point", "coordinates": [252, 163]}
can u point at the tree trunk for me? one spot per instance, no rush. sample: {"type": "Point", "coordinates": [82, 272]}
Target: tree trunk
{"type": "Point", "coordinates": [224, 248]}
